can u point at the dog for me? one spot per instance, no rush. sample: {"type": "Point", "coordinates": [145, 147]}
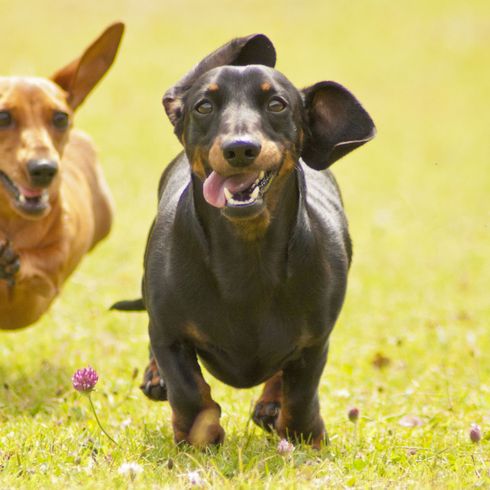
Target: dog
{"type": "Point", "coordinates": [55, 205]}
{"type": "Point", "coordinates": [246, 262]}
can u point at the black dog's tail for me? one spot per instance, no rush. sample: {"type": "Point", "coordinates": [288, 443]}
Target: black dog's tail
{"type": "Point", "coordinates": [129, 305]}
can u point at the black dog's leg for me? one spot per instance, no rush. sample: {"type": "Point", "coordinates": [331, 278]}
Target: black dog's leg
{"type": "Point", "coordinates": [299, 417]}
{"type": "Point", "coordinates": [195, 415]}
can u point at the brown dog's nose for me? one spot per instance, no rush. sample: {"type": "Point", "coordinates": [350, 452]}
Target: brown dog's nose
{"type": "Point", "coordinates": [42, 171]}
{"type": "Point", "coordinates": [240, 153]}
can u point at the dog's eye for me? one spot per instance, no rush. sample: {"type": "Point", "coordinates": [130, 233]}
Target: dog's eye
{"type": "Point", "coordinates": [276, 104]}
{"type": "Point", "coordinates": [5, 119]}
{"type": "Point", "coordinates": [204, 107]}
{"type": "Point", "coordinates": [60, 120]}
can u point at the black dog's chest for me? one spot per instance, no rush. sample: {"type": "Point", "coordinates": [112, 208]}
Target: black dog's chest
{"type": "Point", "coordinates": [247, 329]}
{"type": "Point", "coordinates": [242, 348]}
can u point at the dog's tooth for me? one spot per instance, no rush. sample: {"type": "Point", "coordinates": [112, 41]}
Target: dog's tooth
{"type": "Point", "coordinates": [228, 194]}
{"type": "Point", "coordinates": [22, 199]}
{"type": "Point", "coordinates": [261, 175]}
{"type": "Point", "coordinates": [255, 194]}
{"type": "Point", "coordinates": [44, 197]}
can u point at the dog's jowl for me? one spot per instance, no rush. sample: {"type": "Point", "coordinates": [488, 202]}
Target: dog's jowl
{"type": "Point", "coordinates": [246, 264]}
{"type": "Point", "coordinates": [54, 202]}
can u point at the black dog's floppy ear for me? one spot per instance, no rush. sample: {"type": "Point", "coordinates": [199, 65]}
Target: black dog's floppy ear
{"type": "Point", "coordinates": [255, 49]}
{"type": "Point", "coordinates": [336, 124]}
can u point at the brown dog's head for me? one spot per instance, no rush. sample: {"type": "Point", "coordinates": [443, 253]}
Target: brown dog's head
{"type": "Point", "coordinates": [245, 126]}
{"type": "Point", "coordinates": [36, 115]}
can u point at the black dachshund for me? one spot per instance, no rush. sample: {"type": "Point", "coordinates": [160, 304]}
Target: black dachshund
{"type": "Point", "coordinates": [247, 260]}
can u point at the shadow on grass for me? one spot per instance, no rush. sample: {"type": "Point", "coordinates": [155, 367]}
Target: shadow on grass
{"type": "Point", "coordinates": [23, 393]}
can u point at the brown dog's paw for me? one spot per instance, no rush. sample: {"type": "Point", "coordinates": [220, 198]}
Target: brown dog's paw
{"type": "Point", "coordinates": [265, 414]}
{"type": "Point", "coordinates": [153, 385]}
{"type": "Point", "coordinates": [9, 263]}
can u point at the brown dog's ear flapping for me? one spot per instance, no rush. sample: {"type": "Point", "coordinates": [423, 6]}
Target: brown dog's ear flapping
{"type": "Point", "coordinates": [336, 124]}
{"type": "Point", "coordinates": [255, 49]}
{"type": "Point", "coordinates": [80, 76]}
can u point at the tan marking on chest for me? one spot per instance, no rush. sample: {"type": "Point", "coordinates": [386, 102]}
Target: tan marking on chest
{"type": "Point", "coordinates": [195, 334]}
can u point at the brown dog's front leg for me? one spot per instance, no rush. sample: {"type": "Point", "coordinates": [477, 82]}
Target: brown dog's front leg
{"type": "Point", "coordinates": [9, 263]}
{"type": "Point", "coordinates": [31, 280]}
{"type": "Point", "coordinates": [195, 415]}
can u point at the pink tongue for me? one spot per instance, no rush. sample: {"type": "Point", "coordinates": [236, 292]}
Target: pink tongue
{"type": "Point", "coordinates": [214, 186]}
{"type": "Point", "coordinates": [30, 192]}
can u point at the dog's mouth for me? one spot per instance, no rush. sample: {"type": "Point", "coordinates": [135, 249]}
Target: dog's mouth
{"type": "Point", "coordinates": [240, 194]}
{"type": "Point", "coordinates": [33, 202]}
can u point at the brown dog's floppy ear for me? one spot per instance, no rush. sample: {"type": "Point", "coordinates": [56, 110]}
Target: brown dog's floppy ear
{"type": "Point", "coordinates": [336, 124]}
{"type": "Point", "coordinates": [80, 76]}
{"type": "Point", "coordinates": [255, 49]}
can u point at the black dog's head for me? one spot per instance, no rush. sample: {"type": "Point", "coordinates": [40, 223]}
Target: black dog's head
{"type": "Point", "coordinates": [244, 126]}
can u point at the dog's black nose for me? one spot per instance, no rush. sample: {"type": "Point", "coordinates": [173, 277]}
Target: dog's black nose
{"type": "Point", "coordinates": [42, 171]}
{"type": "Point", "coordinates": [240, 153]}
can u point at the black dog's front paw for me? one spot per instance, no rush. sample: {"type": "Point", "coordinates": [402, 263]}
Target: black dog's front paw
{"type": "Point", "coordinates": [153, 385]}
{"type": "Point", "coordinates": [265, 414]}
{"type": "Point", "coordinates": [9, 263]}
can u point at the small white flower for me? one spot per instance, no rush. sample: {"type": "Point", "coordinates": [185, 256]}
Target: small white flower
{"type": "Point", "coordinates": [285, 447]}
{"type": "Point", "coordinates": [130, 469]}
{"type": "Point", "coordinates": [342, 393]}
{"type": "Point", "coordinates": [194, 478]}
{"type": "Point", "coordinates": [411, 421]}
{"type": "Point", "coordinates": [89, 466]}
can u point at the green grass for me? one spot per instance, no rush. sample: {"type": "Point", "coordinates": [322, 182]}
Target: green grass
{"type": "Point", "coordinates": [418, 202]}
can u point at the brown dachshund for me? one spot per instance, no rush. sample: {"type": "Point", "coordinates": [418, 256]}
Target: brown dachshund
{"type": "Point", "coordinates": [54, 202]}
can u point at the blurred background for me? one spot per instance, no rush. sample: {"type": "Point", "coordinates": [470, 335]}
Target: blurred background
{"type": "Point", "coordinates": [417, 196]}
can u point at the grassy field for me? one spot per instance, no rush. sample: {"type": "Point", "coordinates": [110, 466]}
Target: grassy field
{"type": "Point", "coordinates": [413, 338]}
